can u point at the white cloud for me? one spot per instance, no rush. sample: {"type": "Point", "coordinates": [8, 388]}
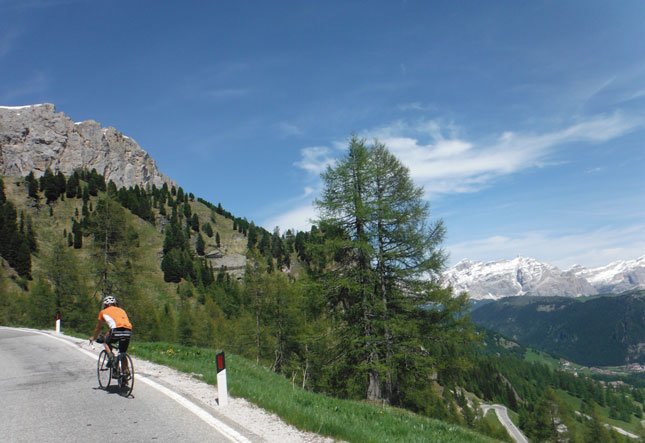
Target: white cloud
{"type": "Point", "coordinates": [315, 159]}
{"type": "Point", "coordinates": [636, 95]}
{"type": "Point", "coordinates": [446, 163]}
{"type": "Point", "coordinates": [298, 218]}
{"type": "Point", "coordinates": [289, 129]}
{"type": "Point", "coordinates": [416, 106]}
{"type": "Point", "coordinates": [450, 164]}
{"type": "Point", "coordinates": [593, 248]}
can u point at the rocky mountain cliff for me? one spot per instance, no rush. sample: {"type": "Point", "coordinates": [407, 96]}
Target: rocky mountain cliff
{"type": "Point", "coordinates": [34, 138]}
{"type": "Point", "coordinates": [526, 276]}
{"type": "Point", "coordinates": [616, 277]}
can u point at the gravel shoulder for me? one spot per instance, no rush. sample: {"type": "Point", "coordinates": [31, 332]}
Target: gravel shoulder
{"type": "Point", "coordinates": [257, 424]}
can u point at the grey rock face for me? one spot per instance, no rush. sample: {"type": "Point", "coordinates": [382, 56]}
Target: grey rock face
{"type": "Point", "coordinates": [34, 138]}
{"type": "Point", "coordinates": [520, 276]}
{"type": "Point", "coordinates": [526, 276]}
{"type": "Point", "coordinates": [616, 277]}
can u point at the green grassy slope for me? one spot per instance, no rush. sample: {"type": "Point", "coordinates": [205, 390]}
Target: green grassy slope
{"type": "Point", "coordinates": [50, 231]}
{"type": "Point", "coordinates": [340, 419]}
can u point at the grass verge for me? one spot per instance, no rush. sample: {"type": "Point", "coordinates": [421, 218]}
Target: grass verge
{"type": "Point", "coordinates": [351, 421]}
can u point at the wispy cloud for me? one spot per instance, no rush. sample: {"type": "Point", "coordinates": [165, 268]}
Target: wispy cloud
{"type": "Point", "coordinates": [415, 106]}
{"type": "Point", "coordinates": [219, 81]}
{"type": "Point", "coordinates": [298, 218]}
{"type": "Point", "coordinates": [593, 248]}
{"type": "Point", "coordinates": [289, 129]}
{"type": "Point", "coordinates": [227, 93]}
{"type": "Point", "coordinates": [448, 163]}
{"type": "Point", "coordinates": [316, 159]}
{"type": "Point", "coordinates": [635, 95]}
{"type": "Point", "coordinates": [8, 41]}
{"type": "Point", "coordinates": [35, 4]}
{"type": "Point", "coordinates": [35, 84]}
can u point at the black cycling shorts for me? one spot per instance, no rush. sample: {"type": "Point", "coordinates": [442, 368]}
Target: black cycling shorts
{"type": "Point", "coordinates": [121, 335]}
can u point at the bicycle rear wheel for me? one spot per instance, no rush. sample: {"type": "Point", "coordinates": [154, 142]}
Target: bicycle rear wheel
{"type": "Point", "coordinates": [103, 373]}
{"type": "Point", "coordinates": [126, 375]}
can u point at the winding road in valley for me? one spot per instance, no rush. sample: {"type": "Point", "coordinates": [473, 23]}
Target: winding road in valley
{"type": "Point", "coordinates": [502, 415]}
{"type": "Point", "coordinates": [50, 392]}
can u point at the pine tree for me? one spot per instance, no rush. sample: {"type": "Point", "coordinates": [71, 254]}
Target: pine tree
{"type": "Point", "coordinates": [111, 189]}
{"type": "Point", "coordinates": [93, 184]}
{"type": "Point", "coordinates": [22, 263]}
{"type": "Point", "coordinates": [162, 208]}
{"type": "Point", "coordinates": [3, 196]}
{"type": "Point", "coordinates": [14, 242]}
{"type": "Point", "coordinates": [171, 266]}
{"type": "Point", "coordinates": [61, 183]}
{"type": "Point", "coordinates": [32, 186]}
{"type": "Point", "coordinates": [77, 231]}
{"type": "Point", "coordinates": [252, 236]}
{"type": "Point", "coordinates": [194, 223]}
{"type": "Point", "coordinates": [115, 245]}
{"type": "Point", "coordinates": [265, 244]}
{"type": "Point", "coordinates": [379, 266]}
{"type": "Point", "coordinates": [45, 179]}
{"type": "Point", "coordinates": [71, 297]}
{"type": "Point", "coordinates": [200, 245]}
{"type": "Point", "coordinates": [71, 187]}
{"type": "Point", "coordinates": [31, 236]}
{"type": "Point", "coordinates": [41, 306]}
{"type": "Point", "coordinates": [187, 211]}
{"type": "Point", "coordinates": [49, 185]}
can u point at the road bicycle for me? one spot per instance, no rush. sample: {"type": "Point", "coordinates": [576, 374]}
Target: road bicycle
{"type": "Point", "coordinates": [120, 369]}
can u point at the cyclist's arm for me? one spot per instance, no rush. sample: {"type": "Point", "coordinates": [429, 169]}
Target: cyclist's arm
{"type": "Point", "coordinates": [97, 329]}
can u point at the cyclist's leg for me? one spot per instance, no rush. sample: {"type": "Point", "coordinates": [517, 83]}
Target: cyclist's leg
{"type": "Point", "coordinates": [107, 345]}
{"type": "Point", "coordinates": [124, 343]}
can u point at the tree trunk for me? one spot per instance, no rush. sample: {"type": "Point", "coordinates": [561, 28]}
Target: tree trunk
{"type": "Point", "coordinates": [374, 386]}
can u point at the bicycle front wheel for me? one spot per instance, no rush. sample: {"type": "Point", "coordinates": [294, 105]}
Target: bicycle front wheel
{"type": "Point", "coordinates": [103, 372]}
{"type": "Point", "coordinates": [126, 375]}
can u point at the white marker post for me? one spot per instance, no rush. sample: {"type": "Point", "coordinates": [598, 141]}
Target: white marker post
{"type": "Point", "coordinates": [222, 390]}
{"type": "Point", "coordinates": [58, 323]}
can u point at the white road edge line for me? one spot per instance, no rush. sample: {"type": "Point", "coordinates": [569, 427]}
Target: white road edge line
{"type": "Point", "coordinates": [229, 432]}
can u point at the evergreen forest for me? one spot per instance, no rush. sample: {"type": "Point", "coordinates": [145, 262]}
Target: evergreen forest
{"type": "Point", "coordinates": [352, 308]}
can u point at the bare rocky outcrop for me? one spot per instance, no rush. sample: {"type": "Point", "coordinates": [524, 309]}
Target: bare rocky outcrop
{"type": "Point", "coordinates": [34, 138]}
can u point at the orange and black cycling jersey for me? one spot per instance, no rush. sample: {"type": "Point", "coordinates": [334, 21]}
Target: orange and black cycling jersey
{"type": "Point", "coordinates": [115, 317]}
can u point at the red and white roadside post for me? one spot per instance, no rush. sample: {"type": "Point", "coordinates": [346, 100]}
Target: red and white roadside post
{"type": "Point", "coordinates": [222, 390]}
{"type": "Point", "coordinates": [58, 323]}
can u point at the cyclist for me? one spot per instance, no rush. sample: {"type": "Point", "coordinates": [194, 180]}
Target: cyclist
{"type": "Point", "coordinates": [119, 324]}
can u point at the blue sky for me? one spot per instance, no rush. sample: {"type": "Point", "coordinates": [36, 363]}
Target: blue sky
{"type": "Point", "coordinates": [523, 121]}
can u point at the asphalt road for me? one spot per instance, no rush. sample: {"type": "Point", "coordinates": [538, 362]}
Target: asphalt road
{"type": "Point", "coordinates": [502, 415]}
{"type": "Point", "coordinates": [49, 393]}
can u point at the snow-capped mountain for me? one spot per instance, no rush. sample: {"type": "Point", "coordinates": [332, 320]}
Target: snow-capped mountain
{"type": "Point", "coordinates": [527, 276]}
{"type": "Point", "coordinates": [616, 277]}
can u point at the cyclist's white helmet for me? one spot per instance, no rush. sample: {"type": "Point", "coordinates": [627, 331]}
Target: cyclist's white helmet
{"type": "Point", "coordinates": [109, 300]}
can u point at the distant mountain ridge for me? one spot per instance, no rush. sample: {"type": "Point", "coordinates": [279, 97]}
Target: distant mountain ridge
{"type": "Point", "coordinates": [602, 331]}
{"type": "Point", "coordinates": [36, 137]}
{"type": "Point", "coordinates": [527, 276]}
